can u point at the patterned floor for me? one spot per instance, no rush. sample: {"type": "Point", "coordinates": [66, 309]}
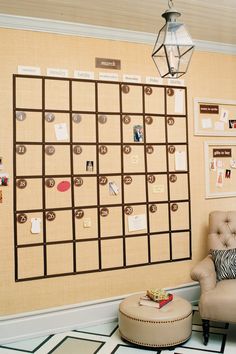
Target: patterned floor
{"type": "Point", "coordinates": [105, 339]}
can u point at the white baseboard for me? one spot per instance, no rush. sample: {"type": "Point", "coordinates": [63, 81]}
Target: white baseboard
{"type": "Point", "coordinates": [51, 321]}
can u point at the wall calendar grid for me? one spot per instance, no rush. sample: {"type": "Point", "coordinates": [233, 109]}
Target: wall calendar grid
{"type": "Point", "coordinates": [101, 176]}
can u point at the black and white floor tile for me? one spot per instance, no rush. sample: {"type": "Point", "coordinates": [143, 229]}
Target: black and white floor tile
{"type": "Point", "coordinates": [105, 339]}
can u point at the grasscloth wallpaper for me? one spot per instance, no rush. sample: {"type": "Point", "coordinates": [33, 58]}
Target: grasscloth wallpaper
{"type": "Point", "coordinates": [210, 75]}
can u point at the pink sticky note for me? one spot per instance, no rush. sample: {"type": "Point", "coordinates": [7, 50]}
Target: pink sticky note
{"type": "Point", "coordinates": [63, 186]}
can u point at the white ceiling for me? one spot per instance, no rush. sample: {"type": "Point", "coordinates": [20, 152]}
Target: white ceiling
{"type": "Point", "coordinates": [212, 20]}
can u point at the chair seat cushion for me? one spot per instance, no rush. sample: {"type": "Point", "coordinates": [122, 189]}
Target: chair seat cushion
{"type": "Point", "coordinates": [219, 304]}
{"type": "Point", "coordinates": [225, 263]}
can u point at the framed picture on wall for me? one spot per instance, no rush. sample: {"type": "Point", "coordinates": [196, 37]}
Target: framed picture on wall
{"type": "Point", "coordinates": [214, 117]}
{"type": "Point", "coordinates": [220, 169]}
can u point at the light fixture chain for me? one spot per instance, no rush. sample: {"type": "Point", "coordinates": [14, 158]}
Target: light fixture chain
{"type": "Point", "coordinates": [170, 3]}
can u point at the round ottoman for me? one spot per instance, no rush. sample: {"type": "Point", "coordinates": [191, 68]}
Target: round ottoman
{"type": "Point", "coordinates": [152, 327]}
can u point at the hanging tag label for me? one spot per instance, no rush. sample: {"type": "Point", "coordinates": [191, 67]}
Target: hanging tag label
{"type": "Point", "coordinates": [154, 80]}
{"type": "Point", "coordinates": [176, 82]}
{"type": "Point", "coordinates": [137, 222]}
{"type": "Point", "coordinates": [86, 75]}
{"type": "Point", "coordinates": [108, 76]}
{"type": "Point", "coordinates": [180, 161]}
{"type": "Point", "coordinates": [35, 225]}
{"type": "Point", "coordinates": [61, 131]}
{"type": "Point", "coordinates": [29, 70]}
{"type": "Point", "coordinates": [179, 101]}
{"type": "Point", "coordinates": [57, 72]}
{"type": "Point", "coordinates": [132, 78]}
{"type": "Point", "coordinates": [113, 188]}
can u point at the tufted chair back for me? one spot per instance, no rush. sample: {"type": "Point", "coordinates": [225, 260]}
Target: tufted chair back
{"type": "Point", "coordinates": [222, 230]}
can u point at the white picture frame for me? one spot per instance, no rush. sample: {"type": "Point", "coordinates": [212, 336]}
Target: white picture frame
{"type": "Point", "coordinates": [210, 121]}
{"type": "Point", "coordinates": [211, 189]}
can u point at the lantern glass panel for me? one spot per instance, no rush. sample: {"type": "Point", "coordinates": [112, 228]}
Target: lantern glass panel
{"type": "Point", "coordinates": [176, 34]}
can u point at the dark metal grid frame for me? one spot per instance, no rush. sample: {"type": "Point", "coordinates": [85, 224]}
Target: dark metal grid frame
{"type": "Point", "coordinates": [72, 175]}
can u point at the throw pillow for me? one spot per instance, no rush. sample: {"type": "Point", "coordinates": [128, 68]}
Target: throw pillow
{"type": "Point", "coordinates": [225, 263]}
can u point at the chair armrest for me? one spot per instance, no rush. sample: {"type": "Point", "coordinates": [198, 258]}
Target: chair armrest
{"type": "Point", "coordinates": [205, 273]}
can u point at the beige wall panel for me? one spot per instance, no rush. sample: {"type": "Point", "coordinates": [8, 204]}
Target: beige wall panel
{"type": "Point", "coordinates": [112, 253]}
{"type": "Point", "coordinates": [158, 191]}
{"type": "Point", "coordinates": [134, 161]}
{"type": "Point", "coordinates": [155, 132]}
{"type": "Point", "coordinates": [111, 104]}
{"type": "Point", "coordinates": [155, 101]}
{"type": "Point", "coordinates": [24, 235]}
{"type": "Point", "coordinates": [86, 256]}
{"type": "Point", "coordinates": [128, 128]}
{"type": "Point", "coordinates": [60, 229]}
{"type": "Point", "coordinates": [160, 247]}
{"type": "Point", "coordinates": [59, 162]}
{"type": "Point", "coordinates": [159, 221]}
{"type": "Point", "coordinates": [31, 162]}
{"type": "Point", "coordinates": [157, 160]}
{"type": "Point", "coordinates": [209, 75]}
{"type": "Point", "coordinates": [180, 218]}
{"type": "Point", "coordinates": [109, 132]}
{"type": "Point", "coordinates": [80, 161]}
{"type": "Point", "coordinates": [60, 258]}
{"type": "Point", "coordinates": [177, 132]}
{"type": "Point", "coordinates": [180, 245]}
{"type": "Point", "coordinates": [57, 94]}
{"type": "Point", "coordinates": [86, 194]}
{"type": "Point", "coordinates": [106, 196]}
{"type": "Point", "coordinates": [82, 231]}
{"type": "Point", "coordinates": [30, 129]}
{"type": "Point", "coordinates": [111, 225]}
{"type": "Point", "coordinates": [136, 191]}
{"type": "Point", "coordinates": [85, 130]}
{"type": "Point", "coordinates": [83, 96]}
{"type": "Point", "coordinates": [171, 101]}
{"type": "Point", "coordinates": [111, 161]}
{"type": "Point", "coordinates": [132, 101]}
{"type": "Point", "coordinates": [137, 210]}
{"type": "Point", "coordinates": [24, 196]}
{"type": "Point", "coordinates": [179, 189]}
{"type": "Point", "coordinates": [29, 93]}
{"type": "Point", "coordinates": [56, 199]}
{"type": "Point", "coordinates": [30, 261]}
{"type": "Point", "coordinates": [50, 134]}
{"type": "Point", "coordinates": [136, 250]}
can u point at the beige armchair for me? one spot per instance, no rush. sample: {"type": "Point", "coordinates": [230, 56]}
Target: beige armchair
{"type": "Point", "coordinates": [214, 273]}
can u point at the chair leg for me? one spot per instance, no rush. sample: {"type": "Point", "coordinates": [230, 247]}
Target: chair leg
{"type": "Point", "coordinates": [205, 326]}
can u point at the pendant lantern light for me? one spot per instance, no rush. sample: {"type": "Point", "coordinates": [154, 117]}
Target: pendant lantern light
{"type": "Point", "coordinates": [174, 46]}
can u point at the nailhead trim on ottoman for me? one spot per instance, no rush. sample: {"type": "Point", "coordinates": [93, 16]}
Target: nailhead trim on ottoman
{"type": "Point", "coordinates": [151, 327]}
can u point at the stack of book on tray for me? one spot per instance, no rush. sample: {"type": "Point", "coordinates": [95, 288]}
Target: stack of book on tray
{"type": "Point", "coordinates": [156, 298]}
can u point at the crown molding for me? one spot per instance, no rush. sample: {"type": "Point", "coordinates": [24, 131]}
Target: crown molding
{"type": "Point", "coordinates": [215, 47]}
{"type": "Point", "coordinates": [108, 33]}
